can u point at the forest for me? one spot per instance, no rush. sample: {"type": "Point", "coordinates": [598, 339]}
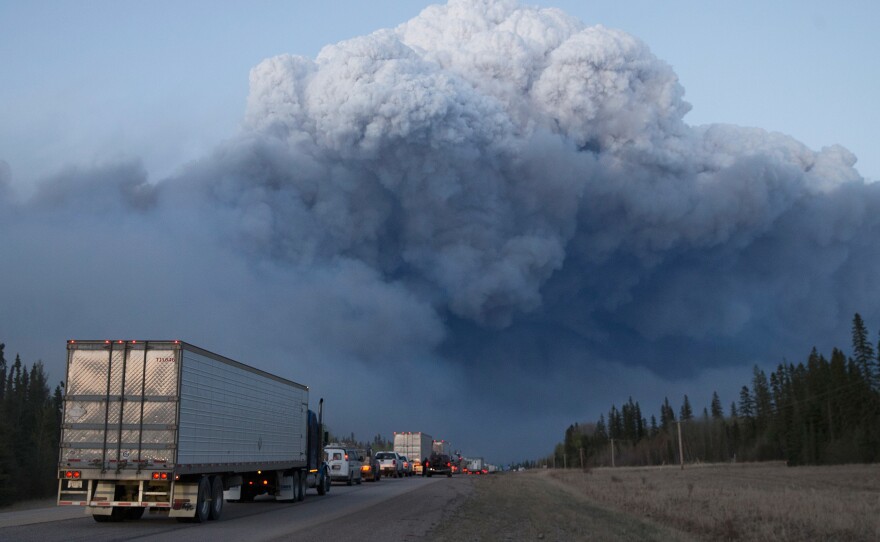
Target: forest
{"type": "Point", "coordinates": [821, 411]}
{"type": "Point", "coordinates": [30, 421]}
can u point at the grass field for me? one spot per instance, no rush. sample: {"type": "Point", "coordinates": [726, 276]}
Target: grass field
{"type": "Point", "coordinates": [751, 501]}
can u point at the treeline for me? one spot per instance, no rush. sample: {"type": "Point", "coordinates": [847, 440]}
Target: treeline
{"type": "Point", "coordinates": [818, 412]}
{"type": "Point", "coordinates": [378, 444]}
{"type": "Point", "coordinates": [30, 421]}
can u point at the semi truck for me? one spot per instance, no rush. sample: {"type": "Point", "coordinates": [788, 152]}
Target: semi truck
{"type": "Point", "coordinates": [169, 427]}
{"type": "Point", "coordinates": [476, 465]}
{"type": "Point", "coordinates": [442, 447]}
{"type": "Point", "coordinates": [415, 446]}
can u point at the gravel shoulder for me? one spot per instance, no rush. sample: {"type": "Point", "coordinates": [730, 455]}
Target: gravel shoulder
{"type": "Point", "coordinates": [534, 506]}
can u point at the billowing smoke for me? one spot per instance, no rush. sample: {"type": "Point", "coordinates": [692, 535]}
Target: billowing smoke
{"type": "Point", "coordinates": [490, 208]}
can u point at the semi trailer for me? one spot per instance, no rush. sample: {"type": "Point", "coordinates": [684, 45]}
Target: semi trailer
{"type": "Point", "coordinates": [416, 446]}
{"type": "Point", "coordinates": [169, 427]}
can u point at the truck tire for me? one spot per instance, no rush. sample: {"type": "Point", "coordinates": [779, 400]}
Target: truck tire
{"type": "Point", "coordinates": [118, 514]}
{"type": "Point", "coordinates": [296, 487]}
{"type": "Point", "coordinates": [322, 483]}
{"type": "Point", "coordinates": [203, 501]}
{"type": "Point", "coordinates": [136, 512]}
{"type": "Point", "coordinates": [216, 498]}
{"type": "Point", "coordinates": [303, 486]}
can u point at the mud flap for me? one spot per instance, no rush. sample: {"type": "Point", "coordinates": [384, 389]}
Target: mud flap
{"type": "Point", "coordinates": [184, 499]}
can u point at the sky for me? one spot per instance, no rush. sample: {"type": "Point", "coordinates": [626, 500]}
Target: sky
{"type": "Point", "coordinates": [484, 221]}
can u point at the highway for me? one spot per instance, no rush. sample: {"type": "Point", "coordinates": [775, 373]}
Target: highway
{"type": "Point", "coordinates": [391, 509]}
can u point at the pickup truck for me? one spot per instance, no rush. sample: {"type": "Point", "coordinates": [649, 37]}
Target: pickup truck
{"type": "Point", "coordinates": [390, 464]}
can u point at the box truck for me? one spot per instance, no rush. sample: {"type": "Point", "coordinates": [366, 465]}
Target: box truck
{"type": "Point", "coordinates": [169, 427]}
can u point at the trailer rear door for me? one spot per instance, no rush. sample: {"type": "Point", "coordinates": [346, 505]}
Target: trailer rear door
{"type": "Point", "coordinates": [120, 405]}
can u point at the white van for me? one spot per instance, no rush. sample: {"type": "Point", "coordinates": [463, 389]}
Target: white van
{"type": "Point", "coordinates": [345, 464]}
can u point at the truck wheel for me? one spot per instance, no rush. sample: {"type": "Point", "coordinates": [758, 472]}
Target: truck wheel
{"type": "Point", "coordinates": [321, 485]}
{"type": "Point", "coordinates": [297, 489]}
{"type": "Point", "coordinates": [203, 501]}
{"type": "Point", "coordinates": [118, 514]}
{"type": "Point", "coordinates": [135, 513]}
{"type": "Point", "coordinates": [216, 498]}
{"type": "Point", "coordinates": [303, 486]}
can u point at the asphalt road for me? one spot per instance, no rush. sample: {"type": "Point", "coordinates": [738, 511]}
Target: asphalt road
{"type": "Point", "coordinates": [391, 509]}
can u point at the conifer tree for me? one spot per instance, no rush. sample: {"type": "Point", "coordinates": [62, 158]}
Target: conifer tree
{"type": "Point", "coordinates": [863, 350]}
{"type": "Point", "coordinates": [2, 373]}
{"type": "Point", "coordinates": [717, 411]}
{"type": "Point", "coordinates": [686, 412]}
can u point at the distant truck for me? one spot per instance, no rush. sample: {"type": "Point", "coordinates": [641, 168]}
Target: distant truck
{"type": "Point", "coordinates": [170, 427]}
{"type": "Point", "coordinates": [476, 465]}
{"type": "Point", "coordinates": [416, 446]}
{"type": "Point", "coordinates": [438, 464]}
{"type": "Point", "coordinates": [441, 447]}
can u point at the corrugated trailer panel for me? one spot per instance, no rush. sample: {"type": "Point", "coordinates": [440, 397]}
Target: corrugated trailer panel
{"type": "Point", "coordinates": [236, 415]}
{"type": "Point", "coordinates": [114, 417]}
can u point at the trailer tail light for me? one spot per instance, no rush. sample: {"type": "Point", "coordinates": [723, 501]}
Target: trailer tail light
{"type": "Point", "coordinates": [160, 476]}
{"type": "Point", "coordinates": [448, 464]}
{"type": "Point", "coordinates": [73, 475]}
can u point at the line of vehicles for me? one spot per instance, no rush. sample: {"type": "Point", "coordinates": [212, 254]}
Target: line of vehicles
{"type": "Point", "coordinates": [166, 426]}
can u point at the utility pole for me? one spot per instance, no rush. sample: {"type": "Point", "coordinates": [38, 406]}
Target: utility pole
{"type": "Point", "coordinates": [582, 459]}
{"type": "Point", "coordinates": [612, 452]}
{"type": "Point", "coordinates": [564, 461]}
{"type": "Point", "coordinates": [680, 449]}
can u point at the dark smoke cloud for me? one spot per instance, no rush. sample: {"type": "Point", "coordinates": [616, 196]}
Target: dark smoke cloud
{"type": "Point", "coordinates": [490, 209]}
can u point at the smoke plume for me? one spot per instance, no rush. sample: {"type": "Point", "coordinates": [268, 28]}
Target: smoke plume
{"type": "Point", "coordinates": [487, 189]}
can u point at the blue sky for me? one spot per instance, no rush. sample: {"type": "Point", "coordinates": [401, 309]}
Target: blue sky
{"type": "Point", "coordinates": [165, 81]}
{"type": "Point", "coordinates": [567, 268]}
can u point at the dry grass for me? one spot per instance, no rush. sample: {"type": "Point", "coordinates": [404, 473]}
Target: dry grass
{"type": "Point", "coordinates": [533, 506]}
{"type": "Point", "coordinates": [759, 501]}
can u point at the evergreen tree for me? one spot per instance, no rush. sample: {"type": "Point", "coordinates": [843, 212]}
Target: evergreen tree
{"type": "Point", "coordinates": [717, 411]}
{"type": "Point", "coordinates": [667, 416]}
{"type": "Point", "coordinates": [863, 350]}
{"type": "Point", "coordinates": [2, 373]}
{"type": "Point", "coordinates": [601, 431]}
{"type": "Point", "coordinates": [686, 412]}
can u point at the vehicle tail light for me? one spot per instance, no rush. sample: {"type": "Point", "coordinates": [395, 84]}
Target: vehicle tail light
{"type": "Point", "coordinates": [73, 474]}
{"type": "Point", "coordinates": [365, 468]}
{"type": "Point", "coordinates": [160, 476]}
